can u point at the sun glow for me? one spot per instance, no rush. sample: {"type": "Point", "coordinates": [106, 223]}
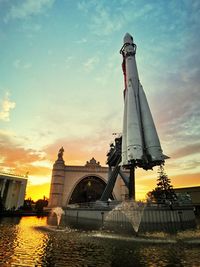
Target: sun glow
{"type": "Point", "coordinates": [38, 191]}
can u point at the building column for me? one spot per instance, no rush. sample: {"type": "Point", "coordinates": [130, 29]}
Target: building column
{"type": "Point", "coordinates": [9, 197]}
{"type": "Point", "coordinates": [3, 187]}
{"type": "Point", "coordinates": [21, 194]}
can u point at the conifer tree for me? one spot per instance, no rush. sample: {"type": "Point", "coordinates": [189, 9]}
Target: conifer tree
{"type": "Point", "coordinates": [164, 190]}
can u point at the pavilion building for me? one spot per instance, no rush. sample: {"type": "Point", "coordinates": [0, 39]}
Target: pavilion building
{"type": "Point", "coordinates": [12, 190]}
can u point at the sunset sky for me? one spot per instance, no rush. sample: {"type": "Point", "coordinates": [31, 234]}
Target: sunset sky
{"type": "Point", "coordinates": [61, 83]}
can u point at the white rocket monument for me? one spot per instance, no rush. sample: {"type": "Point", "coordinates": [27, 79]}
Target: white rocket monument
{"type": "Point", "coordinates": [140, 142]}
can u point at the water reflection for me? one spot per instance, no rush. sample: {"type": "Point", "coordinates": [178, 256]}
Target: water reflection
{"type": "Point", "coordinates": [23, 244]}
{"type": "Point", "coordinates": [8, 234]}
{"type": "Point", "coordinates": [30, 245]}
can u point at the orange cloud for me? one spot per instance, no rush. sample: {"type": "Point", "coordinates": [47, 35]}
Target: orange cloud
{"type": "Point", "coordinates": [78, 151]}
{"type": "Point", "coordinates": [14, 154]}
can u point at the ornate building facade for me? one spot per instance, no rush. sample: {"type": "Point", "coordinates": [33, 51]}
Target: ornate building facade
{"type": "Point", "coordinates": [78, 184]}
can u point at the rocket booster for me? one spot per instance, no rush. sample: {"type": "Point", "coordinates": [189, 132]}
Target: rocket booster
{"type": "Point", "coordinates": [140, 142]}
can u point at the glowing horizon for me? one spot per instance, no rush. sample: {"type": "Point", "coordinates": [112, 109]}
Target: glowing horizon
{"type": "Point", "coordinates": [61, 83]}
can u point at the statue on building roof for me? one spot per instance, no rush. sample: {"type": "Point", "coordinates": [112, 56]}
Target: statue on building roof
{"type": "Point", "coordinates": [60, 153]}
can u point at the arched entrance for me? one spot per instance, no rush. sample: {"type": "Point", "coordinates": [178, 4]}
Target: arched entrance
{"type": "Point", "coordinates": [89, 189]}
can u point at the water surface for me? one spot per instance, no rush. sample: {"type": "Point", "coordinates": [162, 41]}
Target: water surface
{"type": "Point", "coordinates": [26, 242]}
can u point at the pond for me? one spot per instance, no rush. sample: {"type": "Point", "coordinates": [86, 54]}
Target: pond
{"type": "Point", "coordinates": [27, 242]}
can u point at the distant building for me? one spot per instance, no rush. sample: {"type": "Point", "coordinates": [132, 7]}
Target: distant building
{"type": "Point", "coordinates": [193, 192]}
{"type": "Point", "coordinates": [12, 190]}
{"type": "Point", "coordinates": [78, 184]}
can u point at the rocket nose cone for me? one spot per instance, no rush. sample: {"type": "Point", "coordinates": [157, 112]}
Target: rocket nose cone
{"type": "Point", "coordinates": [128, 39]}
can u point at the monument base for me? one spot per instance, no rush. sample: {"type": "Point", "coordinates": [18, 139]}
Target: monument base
{"type": "Point", "coordinates": [149, 219]}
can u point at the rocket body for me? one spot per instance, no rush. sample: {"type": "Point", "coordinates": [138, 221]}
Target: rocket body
{"type": "Point", "coordinates": [140, 142]}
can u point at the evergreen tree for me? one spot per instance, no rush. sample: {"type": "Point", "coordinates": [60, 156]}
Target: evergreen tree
{"type": "Point", "coordinates": [164, 190]}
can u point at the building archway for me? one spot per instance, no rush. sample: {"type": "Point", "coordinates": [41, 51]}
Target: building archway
{"type": "Point", "coordinates": [89, 189]}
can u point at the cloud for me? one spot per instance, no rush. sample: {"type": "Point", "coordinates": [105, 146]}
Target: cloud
{"type": "Point", "coordinates": [103, 20]}
{"type": "Point", "coordinates": [175, 100]}
{"type": "Point", "coordinates": [31, 27]}
{"type": "Point", "coordinates": [27, 8]}
{"type": "Point", "coordinates": [108, 18]}
{"type": "Point", "coordinates": [83, 6]}
{"type": "Point", "coordinates": [187, 150]}
{"type": "Point", "coordinates": [82, 147]}
{"type": "Point", "coordinates": [81, 41]}
{"type": "Point", "coordinates": [17, 159]}
{"type": "Point", "coordinates": [68, 62]}
{"type": "Point", "coordinates": [110, 71]}
{"type": "Point", "coordinates": [104, 23]}
{"type": "Point", "coordinates": [18, 64]}
{"type": "Point", "coordinates": [42, 163]}
{"type": "Point", "coordinates": [90, 64]}
{"type": "Point", "coordinates": [5, 107]}
{"type": "Point", "coordinates": [78, 150]}
{"type": "Point", "coordinates": [144, 11]}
